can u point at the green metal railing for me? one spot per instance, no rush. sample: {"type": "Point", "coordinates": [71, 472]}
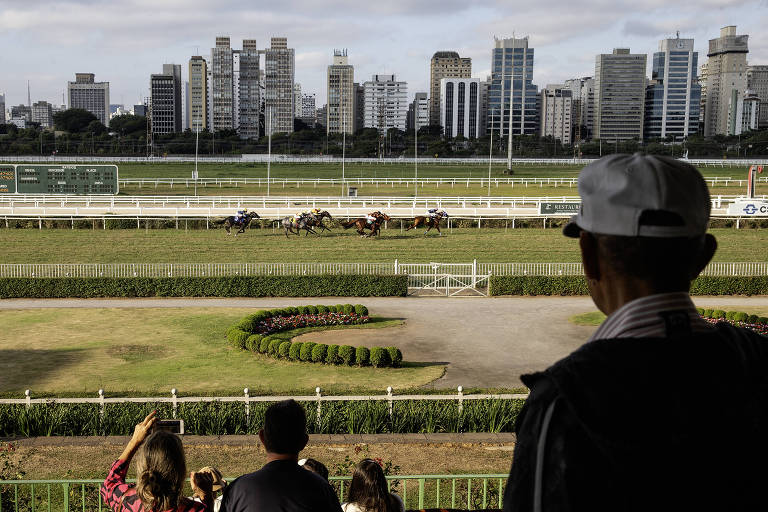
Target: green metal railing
{"type": "Point", "coordinates": [479, 491]}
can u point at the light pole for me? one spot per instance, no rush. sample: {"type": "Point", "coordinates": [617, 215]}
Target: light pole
{"type": "Point", "coordinates": [416, 157]}
{"type": "Point", "coordinates": [197, 142]}
{"type": "Point", "coordinates": [269, 146]}
{"type": "Point", "coordinates": [490, 155]}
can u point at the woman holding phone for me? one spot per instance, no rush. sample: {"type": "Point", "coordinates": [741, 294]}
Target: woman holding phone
{"type": "Point", "coordinates": [160, 472]}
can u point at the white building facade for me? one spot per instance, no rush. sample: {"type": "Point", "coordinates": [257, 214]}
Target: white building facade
{"type": "Point", "coordinates": [385, 104]}
{"type": "Point", "coordinates": [87, 94]}
{"type": "Point", "coordinates": [556, 113]}
{"type": "Point", "coordinates": [460, 107]}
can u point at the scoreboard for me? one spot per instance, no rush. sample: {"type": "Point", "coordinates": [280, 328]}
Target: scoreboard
{"type": "Point", "coordinates": [58, 179]}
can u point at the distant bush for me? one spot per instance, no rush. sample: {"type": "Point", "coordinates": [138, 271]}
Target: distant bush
{"type": "Point", "coordinates": [395, 356]}
{"type": "Point", "coordinates": [306, 351]}
{"type": "Point", "coordinates": [379, 357]}
{"type": "Point", "coordinates": [362, 356]}
{"type": "Point", "coordinates": [293, 354]}
{"type": "Point", "coordinates": [347, 354]}
{"type": "Point", "coordinates": [283, 349]}
{"type": "Point", "coordinates": [253, 342]}
{"type": "Point", "coordinates": [332, 355]}
{"type": "Point", "coordinates": [318, 353]}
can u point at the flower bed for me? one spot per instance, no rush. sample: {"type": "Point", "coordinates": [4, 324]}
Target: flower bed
{"type": "Point", "coordinates": [759, 324]}
{"type": "Point", "coordinates": [255, 333]}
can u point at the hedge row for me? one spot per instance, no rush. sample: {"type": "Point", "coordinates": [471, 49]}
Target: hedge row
{"type": "Point", "coordinates": [237, 286]}
{"type": "Point", "coordinates": [248, 335]}
{"type": "Point", "coordinates": [732, 316]}
{"type": "Point", "coordinates": [576, 285]}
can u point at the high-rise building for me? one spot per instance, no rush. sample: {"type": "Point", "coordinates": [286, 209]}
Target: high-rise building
{"type": "Point", "coordinates": [358, 105]}
{"type": "Point", "coordinates": [89, 95]}
{"type": "Point", "coordinates": [444, 65]}
{"type": "Point", "coordinates": [460, 107]}
{"type": "Point", "coordinates": [341, 95]}
{"type": "Point", "coordinates": [512, 81]}
{"type": "Point", "coordinates": [165, 100]}
{"type": "Point", "coordinates": [485, 87]}
{"type": "Point", "coordinates": [308, 112]}
{"type": "Point", "coordinates": [418, 111]}
{"type": "Point", "coordinates": [757, 82]}
{"type": "Point", "coordinates": [556, 115]}
{"type": "Point", "coordinates": [386, 103]}
{"type": "Point", "coordinates": [2, 108]}
{"type": "Point", "coordinates": [249, 91]}
{"type": "Point", "coordinates": [322, 116]}
{"type": "Point", "coordinates": [619, 95]}
{"type": "Point", "coordinates": [42, 113]}
{"type": "Point", "coordinates": [749, 114]}
{"type": "Point", "coordinates": [279, 71]}
{"type": "Point", "coordinates": [222, 86]}
{"type": "Point", "coordinates": [726, 81]}
{"type": "Point", "coordinates": [583, 98]}
{"type": "Point", "coordinates": [22, 112]}
{"type": "Point", "coordinates": [297, 100]}
{"type": "Point", "coordinates": [673, 98]}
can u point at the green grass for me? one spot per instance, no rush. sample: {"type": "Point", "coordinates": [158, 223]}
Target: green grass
{"type": "Point", "coordinates": [154, 350]}
{"type": "Point", "coordinates": [266, 245]}
{"type": "Point", "coordinates": [593, 318]}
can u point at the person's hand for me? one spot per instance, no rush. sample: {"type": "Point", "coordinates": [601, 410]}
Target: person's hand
{"type": "Point", "coordinates": [143, 429]}
{"type": "Point", "coordinates": [202, 485]}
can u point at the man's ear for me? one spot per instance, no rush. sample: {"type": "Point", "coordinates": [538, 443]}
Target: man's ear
{"type": "Point", "coordinates": [589, 255]}
{"type": "Point", "coordinates": [261, 438]}
{"type": "Point", "coordinates": [704, 256]}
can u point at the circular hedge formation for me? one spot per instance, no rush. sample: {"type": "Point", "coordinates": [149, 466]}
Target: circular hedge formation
{"type": "Point", "coordinates": [253, 333]}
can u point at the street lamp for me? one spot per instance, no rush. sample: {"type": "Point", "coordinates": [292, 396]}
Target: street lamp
{"type": "Point", "coordinates": [490, 154]}
{"type": "Point", "coordinates": [416, 155]}
{"type": "Point", "coordinates": [269, 146]}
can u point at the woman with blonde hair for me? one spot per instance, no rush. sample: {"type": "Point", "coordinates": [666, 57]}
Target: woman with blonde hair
{"type": "Point", "coordinates": [160, 473]}
{"type": "Point", "coordinates": [368, 490]}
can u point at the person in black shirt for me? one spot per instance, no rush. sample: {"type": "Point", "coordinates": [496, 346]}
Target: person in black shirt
{"type": "Point", "coordinates": [281, 485]}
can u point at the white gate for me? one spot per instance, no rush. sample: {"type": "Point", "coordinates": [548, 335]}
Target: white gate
{"type": "Point", "coordinates": [447, 279]}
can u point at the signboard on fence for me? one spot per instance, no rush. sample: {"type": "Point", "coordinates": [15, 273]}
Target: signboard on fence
{"type": "Point", "coordinates": [62, 179]}
{"type": "Point", "coordinates": [559, 208]}
{"type": "Point", "coordinates": [7, 179]}
{"type": "Point", "coordinates": [748, 208]}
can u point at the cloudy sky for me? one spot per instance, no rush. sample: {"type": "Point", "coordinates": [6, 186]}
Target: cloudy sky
{"type": "Point", "coordinates": [124, 41]}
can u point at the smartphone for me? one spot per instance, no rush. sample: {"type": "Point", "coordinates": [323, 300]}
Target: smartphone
{"type": "Point", "coordinates": [172, 426]}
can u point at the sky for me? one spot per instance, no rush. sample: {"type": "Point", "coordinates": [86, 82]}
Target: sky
{"type": "Point", "coordinates": [46, 42]}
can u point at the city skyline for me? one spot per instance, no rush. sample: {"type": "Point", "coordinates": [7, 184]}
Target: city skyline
{"type": "Point", "coordinates": [127, 43]}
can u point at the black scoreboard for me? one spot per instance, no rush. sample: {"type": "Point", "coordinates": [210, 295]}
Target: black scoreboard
{"type": "Point", "coordinates": [58, 179]}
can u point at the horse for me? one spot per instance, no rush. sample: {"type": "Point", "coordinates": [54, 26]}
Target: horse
{"type": "Point", "coordinates": [316, 220]}
{"type": "Point", "coordinates": [289, 223]}
{"type": "Point", "coordinates": [429, 222]}
{"type": "Point", "coordinates": [232, 221]}
{"type": "Point", "coordinates": [362, 223]}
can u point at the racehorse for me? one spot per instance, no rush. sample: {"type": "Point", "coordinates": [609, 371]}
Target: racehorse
{"type": "Point", "coordinates": [362, 223]}
{"type": "Point", "coordinates": [289, 224]}
{"type": "Point", "coordinates": [232, 221]}
{"type": "Point", "coordinates": [429, 222]}
{"type": "Point", "coordinates": [315, 220]}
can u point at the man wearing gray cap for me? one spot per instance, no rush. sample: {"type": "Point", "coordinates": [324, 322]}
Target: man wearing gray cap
{"type": "Point", "coordinates": [660, 410]}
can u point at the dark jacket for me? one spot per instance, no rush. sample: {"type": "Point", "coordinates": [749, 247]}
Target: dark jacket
{"type": "Point", "coordinates": [647, 424]}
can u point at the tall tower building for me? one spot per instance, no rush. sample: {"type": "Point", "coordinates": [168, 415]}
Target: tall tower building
{"type": "Point", "coordinates": [583, 100]}
{"type": "Point", "coordinates": [512, 93]}
{"type": "Point", "coordinates": [418, 111]}
{"type": "Point", "coordinates": [619, 95]}
{"type": "Point", "coordinates": [198, 94]}
{"type": "Point", "coordinates": [297, 100]}
{"type": "Point", "coordinates": [2, 108]}
{"type": "Point", "coordinates": [460, 107]}
{"type": "Point", "coordinates": [222, 86]}
{"type": "Point", "coordinates": [89, 95]}
{"type": "Point", "coordinates": [757, 82]}
{"type": "Point", "coordinates": [673, 99]}
{"type": "Point", "coordinates": [386, 103]}
{"type": "Point", "coordinates": [556, 113]}
{"type": "Point", "coordinates": [42, 113]}
{"type": "Point", "coordinates": [165, 100]}
{"type": "Point", "coordinates": [249, 91]}
{"type": "Point", "coordinates": [726, 81]}
{"type": "Point", "coordinates": [341, 95]}
{"type": "Point", "coordinates": [444, 65]}
{"type": "Point", "coordinates": [279, 71]}
{"type": "Point", "coordinates": [358, 105]}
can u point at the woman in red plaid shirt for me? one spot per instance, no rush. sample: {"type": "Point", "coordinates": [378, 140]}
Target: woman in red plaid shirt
{"type": "Point", "coordinates": [160, 472]}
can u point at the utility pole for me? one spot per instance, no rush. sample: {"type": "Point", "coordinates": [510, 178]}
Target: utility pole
{"type": "Point", "coordinates": [269, 147]}
{"type": "Point", "coordinates": [416, 157]}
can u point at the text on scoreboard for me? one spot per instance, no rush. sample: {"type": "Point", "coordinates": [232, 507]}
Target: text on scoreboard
{"type": "Point", "coordinates": [60, 179]}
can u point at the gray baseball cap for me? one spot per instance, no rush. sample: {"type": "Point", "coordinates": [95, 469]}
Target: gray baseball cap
{"type": "Point", "coordinates": [641, 195]}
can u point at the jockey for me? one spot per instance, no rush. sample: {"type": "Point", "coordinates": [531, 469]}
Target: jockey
{"type": "Point", "coordinates": [432, 212]}
{"type": "Point", "coordinates": [371, 218]}
{"type": "Point", "coordinates": [241, 215]}
{"type": "Point", "coordinates": [444, 214]}
{"type": "Point", "coordinates": [315, 211]}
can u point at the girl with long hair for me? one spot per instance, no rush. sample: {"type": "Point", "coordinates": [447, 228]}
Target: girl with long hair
{"type": "Point", "coordinates": [368, 490]}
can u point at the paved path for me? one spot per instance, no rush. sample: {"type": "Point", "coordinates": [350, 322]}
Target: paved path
{"type": "Point", "coordinates": [485, 342]}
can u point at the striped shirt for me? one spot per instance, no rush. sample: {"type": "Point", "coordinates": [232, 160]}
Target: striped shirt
{"type": "Point", "coordinates": [644, 317]}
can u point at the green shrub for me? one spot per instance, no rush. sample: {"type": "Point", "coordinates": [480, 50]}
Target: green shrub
{"type": "Point", "coordinates": [318, 353]}
{"type": "Point", "coordinates": [293, 354]}
{"type": "Point", "coordinates": [283, 349]}
{"type": "Point", "coordinates": [740, 316]}
{"type": "Point", "coordinates": [379, 357]}
{"type": "Point", "coordinates": [264, 345]}
{"type": "Point", "coordinates": [306, 351]}
{"type": "Point", "coordinates": [718, 313]}
{"type": "Point", "coordinates": [312, 310]}
{"type": "Point", "coordinates": [274, 345]}
{"type": "Point", "coordinates": [303, 310]}
{"type": "Point", "coordinates": [238, 337]}
{"type": "Point", "coordinates": [322, 309]}
{"type": "Point", "coordinates": [253, 342]}
{"type": "Point", "coordinates": [700, 311]}
{"type": "Point", "coordinates": [764, 319]}
{"type": "Point", "coordinates": [347, 354]}
{"type": "Point", "coordinates": [332, 355]}
{"type": "Point", "coordinates": [707, 313]}
{"type": "Point", "coordinates": [293, 311]}
{"type": "Point", "coordinates": [361, 310]}
{"type": "Point", "coordinates": [729, 315]}
{"type": "Point", "coordinates": [395, 356]}
{"type": "Point", "coordinates": [339, 308]}
{"type": "Point", "coordinates": [349, 309]}
{"type": "Point", "coordinates": [753, 319]}
{"type": "Point", "coordinates": [362, 356]}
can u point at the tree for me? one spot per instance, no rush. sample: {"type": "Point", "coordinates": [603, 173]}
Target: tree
{"type": "Point", "coordinates": [74, 120]}
{"type": "Point", "coordinates": [128, 124]}
{"type": "Point", "coordinates": [95, 127]}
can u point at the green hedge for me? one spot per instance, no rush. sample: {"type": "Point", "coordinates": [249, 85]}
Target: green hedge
{"type": "Point", "coordinates": [237, 286]}
{"type": "Point", "coordinates": [576, 285]}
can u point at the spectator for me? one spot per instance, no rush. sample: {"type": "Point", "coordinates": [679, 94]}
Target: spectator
{"type": "Point", "coordinates": [160, 473]}
{"type": "Point", "coordinates": [281, 484]}
{"type": "Point", "coordinates": [218, 485]}
{"type": "Point", "coordinates": [315, 466]}
{"type": "Point", "coordinates": [368, 490]}
{"type": "Point", "coordinates": [659, 410]}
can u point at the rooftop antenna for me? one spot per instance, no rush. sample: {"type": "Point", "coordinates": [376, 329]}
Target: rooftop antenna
{"type": "Point", "coordinates": [29, 96]}
{"type": "Point", "coordinates": [678, 34]}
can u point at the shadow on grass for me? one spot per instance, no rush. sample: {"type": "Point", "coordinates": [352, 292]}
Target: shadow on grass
{"type": "Point", "coordinates": [27, 369]}
{"type": "Point", "coordinates": [423, 364]}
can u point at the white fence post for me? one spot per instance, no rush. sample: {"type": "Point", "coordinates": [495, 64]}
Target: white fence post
{"type": "Point", "coordinates": [247, 409]}
{"type": "Point", "coordinates": [174, 401]}
{"type": "Point", "coordinates": [28, 398]}
{"type": "Point", "coordinates": [101, 409]}
{"type": "Point", "coordinates": [390, 404]}
{"type": "Point", "coordinates": [319, 410]}
{"type": "Point", "coordinates": [461, 399]}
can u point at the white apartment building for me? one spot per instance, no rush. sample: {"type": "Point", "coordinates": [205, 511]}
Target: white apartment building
{"type": "Point", "coordinates": [418, 111]}
{"type": "Point", "coordinates": [222, 86]}
{"type": "Point", "coordinates": [340, 111]}
{"type": "Point", "coordinates": [87, 94]}
{"type": "Point", "coordinates": [460, 107]}
{"type": "Point", "coordinates": [197, 100]}
{"type": "Point", "coordinates": [583, 98]}
{"type": "Point", "coordinates": [385, 104]}
{"type": "Point", "coordinates": [248, 91]}
{"type": "Point", "coordinates": [279, 71]}
{"type": "Point", "coordinates": [619, 95]}
{"type": "Point", "coordinates": [556, 113]}
{"type": "Point", "coordinates": [726, 82]}
{"type": "Point", "coordinates": [757, 81]}
{"type": "Point", "coordinates": [42, 112]}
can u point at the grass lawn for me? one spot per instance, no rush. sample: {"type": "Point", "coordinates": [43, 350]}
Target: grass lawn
{"type": "Point", "coordinates": [154, 350]}
{"type": "Point", "coordinates": [266, 245]}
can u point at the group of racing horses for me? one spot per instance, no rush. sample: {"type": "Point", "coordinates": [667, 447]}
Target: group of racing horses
{"type": "Point", "coordinates": [311, 221]}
